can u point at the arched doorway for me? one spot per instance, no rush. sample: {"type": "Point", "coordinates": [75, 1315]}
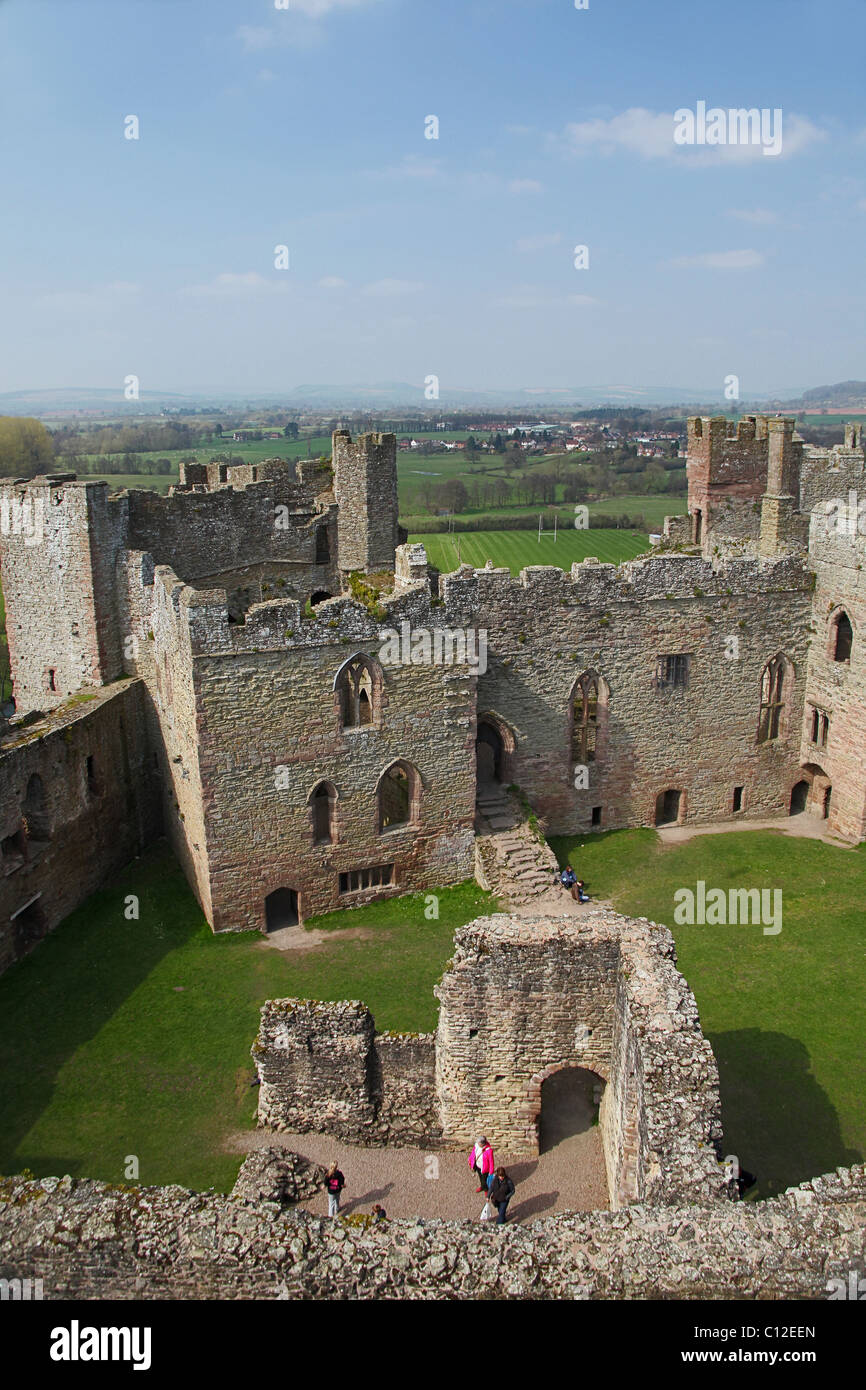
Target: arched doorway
{"type": "Point", "coordinates": [668, 807]}
{"type": "Point", "coordinates": [570, 1101]}
{"type": "Point", "coordinates": [489, 753]}
{"type": "Point", "coordinates": [320, 596]}
{"type": "Point", "coordinates": [281, 909]}
{"type": "Point", "coordinates": [799, 798]}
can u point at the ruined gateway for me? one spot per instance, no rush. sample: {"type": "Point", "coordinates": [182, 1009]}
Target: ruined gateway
{"type": "Point", "coordinates": [206, 666]}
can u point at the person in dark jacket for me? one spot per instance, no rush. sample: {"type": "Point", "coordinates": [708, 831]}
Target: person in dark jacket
{"type": "Point", "coordinates": [334, 1184]}
{"type": "Point", "coordinates": [501, 1193]}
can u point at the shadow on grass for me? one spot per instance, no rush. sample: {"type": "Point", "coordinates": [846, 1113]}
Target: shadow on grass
{"type": "Point", "coordinates": [775, 1117]}
{"type": "Point", "coordinates": [63, 993]}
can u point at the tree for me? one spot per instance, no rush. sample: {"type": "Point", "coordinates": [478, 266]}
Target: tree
{"type": "Point", "coordinates": [26, 447]}
{"type": "Point", "coordinates": [454, 495]}
{"type": "Point", "coordinates": [290, 431]}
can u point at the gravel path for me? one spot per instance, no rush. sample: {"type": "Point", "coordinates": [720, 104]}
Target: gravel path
{"type": "Point", "coordinates": [570, 1176]}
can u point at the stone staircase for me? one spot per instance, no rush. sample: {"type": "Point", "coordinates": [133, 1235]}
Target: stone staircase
{"type": "Point", "coordinates": [510, 861]}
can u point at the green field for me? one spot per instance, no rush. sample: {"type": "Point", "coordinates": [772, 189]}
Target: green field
{"type": "Point", "coordinates": [517, 549]}
{"type": "Point", "coordinates": [784, 1014]}
{"type": "Point", "coordinates": [133, 1037]}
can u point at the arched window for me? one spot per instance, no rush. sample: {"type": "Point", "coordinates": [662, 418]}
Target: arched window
{"type": "Point", "coordinates": [322, 805]}
{"type": "Point", "coordinates": [399, 797]}
{"type": "Point", "coordinates": [842, 637]}
{"type": "Point", "coordinates": [359, 687]}
{"type": "Point", "coordinates": [772, 699]}
{"type": "Point", "coordinates": [588, 710]}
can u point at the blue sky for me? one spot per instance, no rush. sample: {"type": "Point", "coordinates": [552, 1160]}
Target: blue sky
{"type": "Point", "coordinates": [408, 256]}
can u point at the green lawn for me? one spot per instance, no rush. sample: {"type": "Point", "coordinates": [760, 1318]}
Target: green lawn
{"type": "Point", "coordinates": [121, 1037]}
{"type": "Point", "coordinates": [784, 1013]}
{"type": "Point", "coordinates": [516, 549]}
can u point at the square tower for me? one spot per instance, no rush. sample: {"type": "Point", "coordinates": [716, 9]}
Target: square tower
{"type": "Point", "coordinates": [365, 489]}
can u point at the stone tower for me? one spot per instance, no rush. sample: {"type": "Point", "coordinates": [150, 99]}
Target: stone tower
{"type": "Point", "coordinates": [58, 543]}
{"type": "Point", "coordinates": [365, 488]}
{"type": "Point", "coordinates": [781, 498]}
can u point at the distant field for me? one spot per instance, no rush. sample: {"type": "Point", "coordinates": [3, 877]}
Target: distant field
{"type": "Point", "coordinates": [155, 482]}
{"type": "Point", "coordinates": [516, 549]}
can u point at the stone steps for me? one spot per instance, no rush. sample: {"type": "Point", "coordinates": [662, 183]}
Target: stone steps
{"type": "Point", "coordinates": [518, 867]}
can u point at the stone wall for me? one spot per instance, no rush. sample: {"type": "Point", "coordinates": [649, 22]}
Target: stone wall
{"type": "Point", "coordinates": [836, 769]}
{"type": "Point", "coordinates": [323, 1068]}
{"type": "Point", "coordinates": [262, 756]}
{"type": "Point", "coordinates": [89, 1240]}
{"type": "Point", "coordinates": [57, 567]}
{"type": "Point", "coordinates": [204, 534]}
{"type": "Point", "coordinates": [547, 628]}
{"type": "Point", "coordinates": [77, 800]}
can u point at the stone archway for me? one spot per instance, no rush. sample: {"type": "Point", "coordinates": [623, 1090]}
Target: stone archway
{"type": "Point", "coordinates": [494, 746]}
{"type": "Point", "coordinates": [569, 1104]}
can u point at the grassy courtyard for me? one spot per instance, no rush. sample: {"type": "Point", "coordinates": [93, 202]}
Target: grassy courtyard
{"type": "Point", "coordinates": [785, 1013]}
{"type": "Point", "coordinates": [133, 1037]}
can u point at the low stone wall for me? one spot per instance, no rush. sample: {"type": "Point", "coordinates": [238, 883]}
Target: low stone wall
{"type": "Point", "coordinates": [324, 1069]}
{"type": "Point", "coordinates": [89, 1240]}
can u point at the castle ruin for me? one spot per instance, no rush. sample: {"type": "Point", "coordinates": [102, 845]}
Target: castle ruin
{"type": "Point", "coordinates": [209, 665]}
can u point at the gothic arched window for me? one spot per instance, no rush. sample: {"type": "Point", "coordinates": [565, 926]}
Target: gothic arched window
{"type": "Point", "coordinates": [772, 699]}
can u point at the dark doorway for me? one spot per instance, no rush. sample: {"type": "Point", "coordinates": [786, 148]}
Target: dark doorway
{"type": "Point", "coordinates": [323, 547]}
{"type": "Point", "coordinates": [668, 807]}
{"type": "Point", "coordinates": [489, 751]}
{"type": "Point", "coordinates": [569, 1105]}
{"type": "Point", "coordinates": [281, 909]}
{"type": "Point", "coordinates": [28, 927]}
{"type": "Point", "coordinates": [825, 806]}
{"type": "Point", "coordinates": [699, 526]}
{"type": "Point", "coordinates": [799, 798]}
{"type": "Point", "coordinates": [319, 597]}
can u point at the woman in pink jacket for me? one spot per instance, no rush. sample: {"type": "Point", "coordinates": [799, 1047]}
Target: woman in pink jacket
{"type": "Point", "coordinates": [481, 1163]}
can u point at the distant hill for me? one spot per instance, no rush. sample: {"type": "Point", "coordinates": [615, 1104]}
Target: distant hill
{"type": "Point", "coordinates": [843, 395]}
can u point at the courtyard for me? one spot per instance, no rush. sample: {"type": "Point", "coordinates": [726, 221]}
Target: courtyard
{"type": "Point", "coordinates": [130, 1040]}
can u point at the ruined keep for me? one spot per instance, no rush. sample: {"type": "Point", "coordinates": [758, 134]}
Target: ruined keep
{"type": "Point", "coordinates": [240, 625]}
{"type": "Point", "coordinates": [522, 999]}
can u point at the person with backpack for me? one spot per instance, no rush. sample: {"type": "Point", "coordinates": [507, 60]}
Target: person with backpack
{"type": "Point", "coordinates": [500, 1194]}
{"type": "Point", "coordinates": [481, 1162]}
{"type": "Point", "coordinates": [334, 1184]}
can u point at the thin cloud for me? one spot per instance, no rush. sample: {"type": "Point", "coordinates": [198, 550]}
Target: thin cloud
{"type": "Point", "coordinates": [650, 135]}
{"type": "Point", "coordinates": [331, 282]}
{"type": "Point", "coordinates": [525, 186]}
{"type": "Point", "coordinates": [300, 23]}
{"type": "Point", "coordinates": [723, 260]}
{"type": "Point", "coordinates": [388, 288]}
{"type": "Point", "coordinates": [231, 283]}
{"type": "Point", "coordinates": [538, 243]}
{"type": "Point", "coordinates": [538, 297]}
{"type": "Point", "coordinates": [758, 217]}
